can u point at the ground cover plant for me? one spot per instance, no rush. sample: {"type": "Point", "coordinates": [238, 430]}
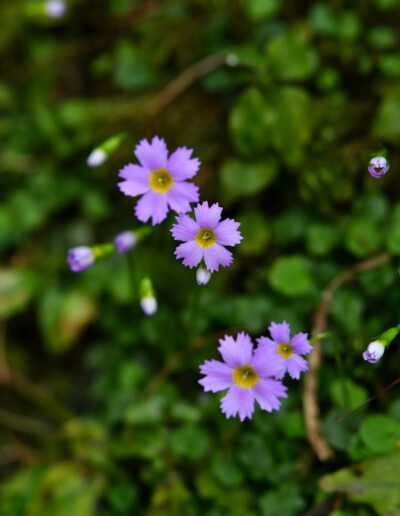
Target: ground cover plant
{"type": "Point", "coordinates": [200, 240]}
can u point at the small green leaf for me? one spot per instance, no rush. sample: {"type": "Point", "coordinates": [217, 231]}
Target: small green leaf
{"type": "Point", "coordinates": [380, 433]}
{"type": "Point", "coordinates": [373, 481]}
{"type": "Point", "coordinates": [290, 57]}
{"type": "Point", "coordinates": [290, 276]}
{"type": "Point", "coordinates": [16, 290]}
{"type": "Point", "coordinates": [239, 178]}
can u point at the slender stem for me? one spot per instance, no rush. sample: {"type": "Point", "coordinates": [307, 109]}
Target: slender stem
{"type": "Point", "coordinates": [310, 400]}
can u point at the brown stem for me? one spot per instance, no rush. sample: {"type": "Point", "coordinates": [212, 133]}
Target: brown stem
{"type": "Point", "coordinates": [310, 400]}
{"type": "Point", "coordinates": [185, 80]}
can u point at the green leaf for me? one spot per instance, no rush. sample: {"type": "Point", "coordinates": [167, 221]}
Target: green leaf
{"type": "Point", "coordinates": [380, 433]}
{"type": "Point", "coordinates": [290, 57]}
{"type": "Point", "coordinates": [190, 442]}
{"type": "Point", "coordinates": [347, 309]}
{"type": "Point", "coordinates": [254, 225]}
{"type": "Point", "coordinates": [387, 122]}
{"type": "Point", "coordinates": [240, 178]}
{"type": "Point", "coordinates": [346, 393]}
{"type": "Point", "coordinates": [290, 276]}
{"type": "Point", "coordinates": [249, 122]}
{"type": "Point", "coordinates": [283, 501]}
{"type": "Point", "coordinates": [373, 481]}
{"type": "Point", "coordinates": [322, 238]}
{"type": "Point", "coordinates": [393, 234]}
{"type": "Point", "coordinates": [280, 120]}
{"type": "Point", "coordinates": [260, 9]}
{"type": "Point", "coordinates": [64, 316]}
{"type": "Point", "coordinates": [363, 238]}
{"type": "Point", "coordinates": [226, 471]}
{"type": "Point", "coordinates": [16, 290]}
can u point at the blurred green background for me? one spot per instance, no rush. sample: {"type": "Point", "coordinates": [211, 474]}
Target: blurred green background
{"type": "Point", "coordinates": [284, 102]}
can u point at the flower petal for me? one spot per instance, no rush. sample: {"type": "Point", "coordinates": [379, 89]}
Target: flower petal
{"type": "Point", "coordinates": [296, 365]}
{"type": "Point", "coordinates": [190, 252]}
{"type": "Point", "coordinates": [207, 217]}
{"type": "Point", "coordinates": [137, 180]}
{"type": "Point", "coordinates": [218, 376]}
{"type": "Point", "coordinates": [181, 194]}
{"type": "Point", "coordinates": [217, 255]}
{"type": "Point", "coordinates": [301, 344]}
{"type": "Point", "coordinates": [269, 343]}
{"type": "Point", "coordinates": [152, 205]}
{"type": "Point", "coordinates": [238, 400]}
{"type": "Point", "coordinates": [185, 229]}
{"type": "Point", "coordinates": [227, 232]}
{"type": "Point", "coordinates": [267, 362]}
{"type": "Point", "coordinates": [236, 352]}
{"type": "Point", "coordinates": [152, 155]}
{"type": "Point", "coordinates": [267, 392]}
{"type": "Point", "coordinates": [280, 332]}
{"type": "Point", "coordinates": [181, 166]}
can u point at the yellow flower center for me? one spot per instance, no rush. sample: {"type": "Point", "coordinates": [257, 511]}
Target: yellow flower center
{"type": "Point", "coordinates": [245, 376]}
{"type": "Point", "coordinates": [205, 237]}
{"type": "Point", "coordinates": [285, 349]}
{"type": "Point", "coordinates": [161, 180]}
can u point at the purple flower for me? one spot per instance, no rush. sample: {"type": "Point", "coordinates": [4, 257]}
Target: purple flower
{"type": "Point", "coordinates": [374, 352]}
{"type": "Point", "coordinates": [80, 258]}
{"type": "Point", "coordinates": [125, 241]}
{"type": "Point", "coordinates": [286, 349]}
{"type": "Point", "coordinates": [246, 375]}
{"type": "Point", "coordinates": [161, 180]}
{"type": "Point", "coordinates": [378, 167]}
{"type": "Point", "coordinates": [205, 237]}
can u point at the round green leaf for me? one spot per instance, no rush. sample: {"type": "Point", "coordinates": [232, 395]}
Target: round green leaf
{"type": "Point", "coordinates": [290, 276]}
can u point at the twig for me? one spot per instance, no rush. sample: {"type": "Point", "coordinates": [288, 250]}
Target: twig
{"type": "Point", "coordinates": [185, 80]}
{"type": "Point", "coordinates": [23, 424]}
{"type": "Point", "coordinates": [310, 401]}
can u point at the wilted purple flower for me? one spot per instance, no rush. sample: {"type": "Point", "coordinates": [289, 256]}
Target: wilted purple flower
{"type": "Point", "coordinates": [378, 166]}
{"type": "Point", "coordinates": [160, 180]}
{"type": "Point", "coordinates": [374, 352]}
{"type": "Point", "coordinates": [246, 375]}
{"type": "Point", "coordinates": [205, 237]}
{"type": "Point", "coordinates": [55, 8]}
{"type": "Point", "coordinates": [286, 349]}
{"type": "Point", "coordinates": [80, 258]}
{"type": "Point", "coordinates": [125, 241]}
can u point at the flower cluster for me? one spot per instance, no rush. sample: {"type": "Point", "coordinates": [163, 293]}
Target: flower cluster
{"type": "Point", "coordinates": [163, 183]}
{"type": "Point", "coordinates": [255, 375]}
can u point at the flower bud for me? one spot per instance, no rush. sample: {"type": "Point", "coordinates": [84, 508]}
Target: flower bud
{"type": "Point", "coordinates": [96, 158]}
{"type": "Point", "coordinates": [80, 258]}
{"type": "Point", "coordinates": [378, 166]}
{"type": "Point", "coordinates": [125, 241]}
{"type": "Point", "coordinates": [374, 352]}
{"type": "Point", "coordinates": [203, 276]}
{"type": "Point", "coordinates": [103, 151]}
{"type": "Point", "coordinates": [148, 301]}
{"type": "Point", "coordinates": [149, 305]}
{"type": "Point", "coordinates": [55, 8]}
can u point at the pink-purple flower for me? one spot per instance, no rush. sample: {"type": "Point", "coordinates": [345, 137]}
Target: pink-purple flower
{"type": "Point", "coordinates": [247, 375]}
{"type": "Point", "coordinates": [378, 166]}
{"type": "Point", "coordinates": [160, 180]}
{"type": "Point", "coordinates": [286, 350]}
{"type": "Point", "coordinates": [205, 236]}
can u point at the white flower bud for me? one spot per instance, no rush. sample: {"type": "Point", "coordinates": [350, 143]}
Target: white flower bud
{"type": "Point", "coordinates": [96, 158]}
{"type": "Point", "coordinates": [149, 305]}
{"type": "Point", "coordinates": [374, 352]}
{"type": "Point", "coordinates": [203, 276]}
